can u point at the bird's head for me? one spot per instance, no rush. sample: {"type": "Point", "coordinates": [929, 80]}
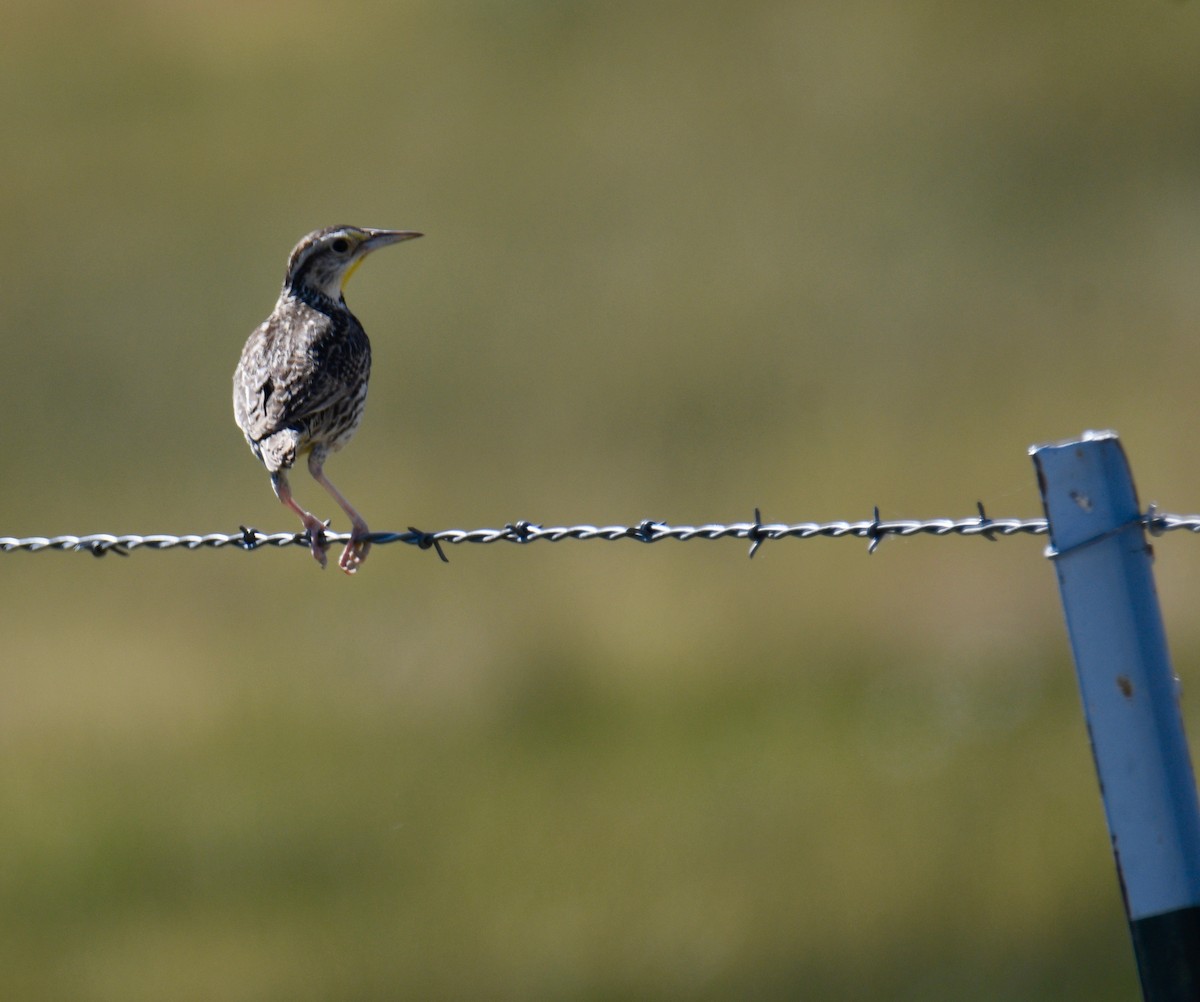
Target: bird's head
{"type": "Point", "coordinates": [325, 259]}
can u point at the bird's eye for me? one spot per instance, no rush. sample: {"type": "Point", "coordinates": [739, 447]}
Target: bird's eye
{"type": "Point", "coordinates": [341, 245]}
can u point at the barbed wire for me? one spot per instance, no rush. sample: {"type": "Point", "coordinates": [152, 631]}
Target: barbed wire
{"type": "Point", "coordinates": [874, 530]}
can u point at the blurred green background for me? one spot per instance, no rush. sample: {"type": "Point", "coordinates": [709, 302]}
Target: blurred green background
{"type": "Point", "coordinates": [681, 259]}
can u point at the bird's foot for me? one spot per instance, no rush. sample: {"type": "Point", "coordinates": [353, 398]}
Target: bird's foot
{"type": "Point", "coordinates": [316, 538]}
{"type": "Point", "coordinates": [356, 549]}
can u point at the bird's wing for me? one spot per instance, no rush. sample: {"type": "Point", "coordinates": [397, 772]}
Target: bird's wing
{"type": "Point", "coordinates": [261, 394]}
{"type": "Point", "coordinates": [283, 381]}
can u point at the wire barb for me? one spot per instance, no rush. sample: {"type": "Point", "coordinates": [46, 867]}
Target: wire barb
{"type": "Point", "coordinates": [646, 530]}
{"type": "Point", "coordinates": [873, 532]}
{"type": "Point", "coordinates": [521, 529]}
{"type": "Point", "coordinates": [985, 524]}
{"type": "Point", "coordinates": [425, 540]}
{"type": "Point", "coordinates": [755, 533]}
{"type": "Point", "coordinates": [103, 547]}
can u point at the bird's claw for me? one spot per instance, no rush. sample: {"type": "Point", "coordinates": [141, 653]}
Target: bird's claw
{"type": "Point", "coordinates": [356, 550]}
{"type": "Point", "coordinates": [316, 540]}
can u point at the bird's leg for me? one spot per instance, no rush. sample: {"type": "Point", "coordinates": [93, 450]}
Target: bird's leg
{"type": "Point", "coordinates": [315, 527]}
{"type": "Point", "coordinates": [359, 546]}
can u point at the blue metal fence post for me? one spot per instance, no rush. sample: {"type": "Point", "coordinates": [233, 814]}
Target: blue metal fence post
{"type": "Point", "coordinates": [1103, 560]}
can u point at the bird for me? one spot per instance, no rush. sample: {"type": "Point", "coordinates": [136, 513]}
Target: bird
{"type": "Point", "coordinates": [300, 386]}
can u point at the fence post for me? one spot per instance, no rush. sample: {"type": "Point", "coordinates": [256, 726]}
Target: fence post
{"type": "Point", "coordinates": [1103, 560]}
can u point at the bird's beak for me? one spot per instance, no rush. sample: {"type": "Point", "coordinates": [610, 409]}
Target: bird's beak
{"type": "Point", "coordinates": [375, 240]}
{"type": "Point", "coordinates": [381, 238]}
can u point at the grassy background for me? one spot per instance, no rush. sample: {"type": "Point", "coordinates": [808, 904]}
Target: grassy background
{"type": "Point", "coordinates": [681, 259]}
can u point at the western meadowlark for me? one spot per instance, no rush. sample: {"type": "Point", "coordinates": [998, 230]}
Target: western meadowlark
{"type": "Point", "coordinates": [301, 384]}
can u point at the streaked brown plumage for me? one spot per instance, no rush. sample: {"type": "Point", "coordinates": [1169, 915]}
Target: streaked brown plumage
{"type": "Point", "coordinates": [301, 384]}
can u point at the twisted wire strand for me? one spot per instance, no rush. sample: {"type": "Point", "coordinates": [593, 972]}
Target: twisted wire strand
{"type": "Point", "coordinates": [647, 531]}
